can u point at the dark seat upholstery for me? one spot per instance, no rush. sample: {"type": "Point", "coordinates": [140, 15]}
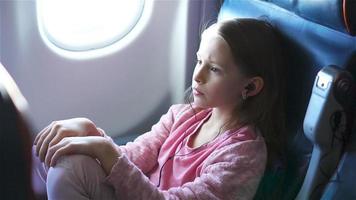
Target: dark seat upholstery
{"type": "Point", "coordinates": [315, 34]}
{"type": "Point", "coordinates": [15, 142]}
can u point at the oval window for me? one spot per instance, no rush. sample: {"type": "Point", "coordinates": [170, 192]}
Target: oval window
{"type": "Point", "coordinates": [81, 25]}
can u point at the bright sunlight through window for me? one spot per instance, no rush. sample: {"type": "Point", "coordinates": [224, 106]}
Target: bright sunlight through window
{"type": "Point", "coordinates": [82, 25]}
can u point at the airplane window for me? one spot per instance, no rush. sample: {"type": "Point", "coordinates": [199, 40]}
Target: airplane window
{"type": "Point", "coordinates": [82, 25]}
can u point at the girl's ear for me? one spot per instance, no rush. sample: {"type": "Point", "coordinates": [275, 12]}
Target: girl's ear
{"type": "Point", "coordinates": [253, 87]}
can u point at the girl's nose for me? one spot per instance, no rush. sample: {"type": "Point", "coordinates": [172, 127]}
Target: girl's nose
{"type": "Point", "coordinates": [199, 75]}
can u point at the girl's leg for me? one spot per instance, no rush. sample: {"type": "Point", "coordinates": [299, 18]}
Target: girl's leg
{"type": "Point", "coordinates": [76, 177]}
{"type": "Point", "coordinates": [39, 176]}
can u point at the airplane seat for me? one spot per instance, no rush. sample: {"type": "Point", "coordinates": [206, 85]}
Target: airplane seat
{"type": "Point", "coordinates": [15, 142]}
{"type": "Point", "coordinates": [315, 34]}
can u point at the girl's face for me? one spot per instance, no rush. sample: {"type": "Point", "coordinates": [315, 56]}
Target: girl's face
{"type": "Point", "coordinates": [217, 81]}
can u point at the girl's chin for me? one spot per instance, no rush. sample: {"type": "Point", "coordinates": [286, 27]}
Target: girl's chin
{"type": "Point", "coordinates": [200, 104]}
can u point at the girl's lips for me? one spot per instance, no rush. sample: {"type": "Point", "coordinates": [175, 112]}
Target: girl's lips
{"type": "Point", "coordinates": [196, 92]}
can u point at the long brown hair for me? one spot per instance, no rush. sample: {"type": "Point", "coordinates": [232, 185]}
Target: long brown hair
{"type": "Point", "coordinates": [256, 49]}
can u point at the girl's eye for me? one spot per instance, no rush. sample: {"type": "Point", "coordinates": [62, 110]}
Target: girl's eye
{"type": "Point", "coordinates": [214, 69]}
{"type": "Point", "coordinates": [199, 61]}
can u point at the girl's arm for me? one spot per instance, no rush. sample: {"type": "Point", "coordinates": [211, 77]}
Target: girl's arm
{"type": "Point", "coordinates": [143, 152]}
{"type": "Point", "coordinates": [232, 172]}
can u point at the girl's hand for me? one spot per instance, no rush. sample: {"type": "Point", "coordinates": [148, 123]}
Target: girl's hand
{"type": "Point", "coordinates": [96, 147]}
{"type": "Point", "coordinates": [58, 130]}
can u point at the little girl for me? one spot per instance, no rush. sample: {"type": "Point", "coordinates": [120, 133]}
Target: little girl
{"type": "Point", "coordinates": [214, 147]}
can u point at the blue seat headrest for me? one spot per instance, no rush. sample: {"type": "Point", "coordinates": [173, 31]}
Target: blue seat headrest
{"type": "Point", "coordinates": [339, 15]}
{"type": "Point", "coordinates": [335, 14]}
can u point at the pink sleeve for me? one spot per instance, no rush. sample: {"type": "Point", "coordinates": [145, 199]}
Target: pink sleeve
{"type": "Point", "coordinates": [232, 172]}
{"type": "Point", "coordinates": [143, 152]}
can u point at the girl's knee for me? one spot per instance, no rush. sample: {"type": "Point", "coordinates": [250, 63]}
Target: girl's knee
{"type": "Point", "coordinates": [74, 176]}
{"type": "Point", "coordinates": [74, 162]}
{"type": "Point", "coordinates": [76, 167]}
{"type": "Point", "coordinates": [68, 176]}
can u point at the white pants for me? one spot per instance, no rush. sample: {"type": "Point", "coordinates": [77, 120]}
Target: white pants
{"type": "Point", "coordinates": [76, 177]}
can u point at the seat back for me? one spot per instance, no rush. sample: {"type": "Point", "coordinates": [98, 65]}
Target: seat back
{"type": "Point", "coordinates": [315, 34]}
{"type": "Point", "coordinates": [15, 142]}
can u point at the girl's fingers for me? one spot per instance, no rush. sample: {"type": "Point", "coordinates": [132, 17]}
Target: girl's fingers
{"type": "Point", "coordinates": [53, 149]}
{"type": "Point", "coordinates": [42, 137]}
{"type": "Point", "coordinates": [72, 145]}
{"type": "Point", "coordinates": [63, 150]}
{"type": "Point", "coordinates": [41, 133]}
{"type": "Point", "coordinates": [60, 135]}
{"type": "Point", "coordinates": [101, 131]}
{"type": "Point", "coordinates": [44, 145]}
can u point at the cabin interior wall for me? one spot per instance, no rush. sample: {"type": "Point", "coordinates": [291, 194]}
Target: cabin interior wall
{"type": "Point", "coordinates": [123, 92]}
